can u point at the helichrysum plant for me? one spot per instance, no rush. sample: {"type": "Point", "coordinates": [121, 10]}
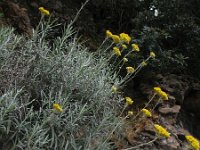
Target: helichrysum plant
{"type": "Point", "coordinates": [123, 48]}
{"type": "Point", "coordinates": [56, 96]}
{"type": "Point", "coordinates": [121, 44]}
{"type": "Point", "coordinates": [60, 96]}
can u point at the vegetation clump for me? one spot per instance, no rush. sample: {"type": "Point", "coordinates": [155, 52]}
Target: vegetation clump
{"type": "Point", "coordinates": [55, 94]}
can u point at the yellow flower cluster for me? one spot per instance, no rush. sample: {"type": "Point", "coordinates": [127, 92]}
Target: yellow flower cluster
{"type": "Point", "coordinates": [135, 47]}
{"type": "Point", "coordinates": [161, 93]}
{"type": "Point", "coordinates": [129, 101]}
{"type": "Point", "coordinates": [130, 70]}
{"type": "Point", "coordinates": [146, 112]}
{"type": "Point", "coordinates": [57, 107]}
{"type": "Point", "coordinates": [161, 131]}
{"type": "Point", "coordinates": [44, 11]}
{"type": "Point", "coordinates": [117, 51]}
{"type": "Point", "coordinates": [125, 38]}
{"type": "Point", "coordinates": [194, 143]}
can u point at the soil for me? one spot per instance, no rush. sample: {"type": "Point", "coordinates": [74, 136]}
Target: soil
{"type": "Point", "coordinates": [180, 115]}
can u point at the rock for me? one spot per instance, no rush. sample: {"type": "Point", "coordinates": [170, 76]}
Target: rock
{"type": "Point", "coordinates": [170, 144]}
{"type": "Point", "coordinates": [58, 6]}
{"type": "Point", "coordinates": [149, 128]}
{"type": "Point", "coordinates": [167, 110]}
{"type": "Point", "coordinates": [171, 97]}
{"type": "Point", "coordinates": [192, 101]}
{"type": "Point", "coordinates": [181, 133]}
{"type": "Point", "coordinates": [96, 3]}
{"type": "Point", "coordinates": [17, 17]}
{"type": "Point", "coordinates": [34, 5]}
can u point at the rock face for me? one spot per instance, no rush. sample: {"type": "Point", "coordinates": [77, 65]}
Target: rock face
{"type": "Point", "coordinates": [17, 17]}
{"type": "Point", "coordinates": [167, 110]}
{"type": "Point", "coordinates": [183, 90]}
{"type": "Point", "coordinates": [184, 98]}
{"type": "Point", "coordinates": [179, 115]}
{"type": "Point", "coordinates": [191, 102]}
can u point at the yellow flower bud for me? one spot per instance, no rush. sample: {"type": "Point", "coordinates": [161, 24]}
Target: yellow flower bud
{"type": "Point", "coordinates": [117, 51]}
{"type": "Point", "coordinates": [130, 113]}
{"type": "Point", "coordinates": [152, 54]}
{"type": "Point", "coordinates": [44, 11]}
{"type": "Point", "coordinates": [108, 33]}
{"type": "Point", "coordinates": [135, 47]}
{"type": "Point", "coordinates": [163, 95]}
{"type": "Point", "coordinates": [125, 59]}
{"type": "Point", "coordinates": [130, 69]}
{"type": "Point", "coordinates": [57, 107]}
{"type": "Point", "coordinates": [143, 63]}
{"type": "Point", "coordinates": [157, 89]}
{"type": "Point", "coordinates": [124, 46]}
{"type": "Point", "coordinates": [129, 101]}
{"type": "Point", "coordinates": [147, 112]}
{"type": "Point", "coordinates": [114, 89]}
{"type": "Point", "coordinates": [161, 131]}
{"type": "Point", "coordinates": [115, 38]}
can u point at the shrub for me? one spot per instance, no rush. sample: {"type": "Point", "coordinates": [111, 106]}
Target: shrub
{"type": "Point", "coordinates": [35, 74]}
